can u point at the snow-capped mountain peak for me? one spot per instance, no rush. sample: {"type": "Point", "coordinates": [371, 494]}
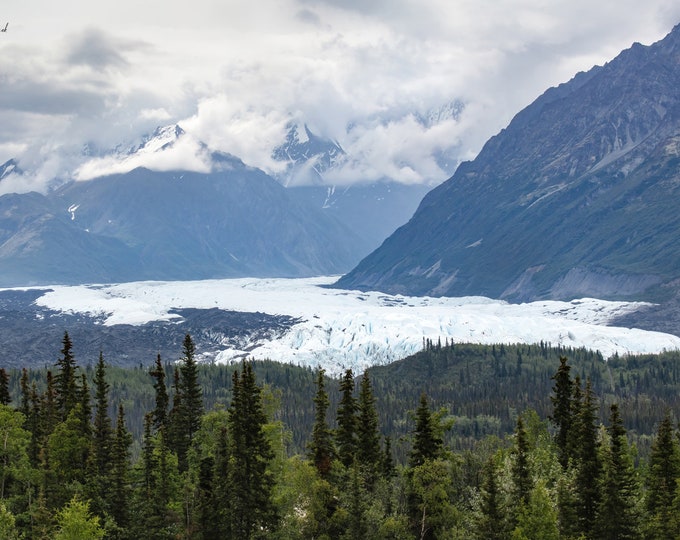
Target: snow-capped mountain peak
{"type": "Point", "coordinates": [308, 156]}
{"type": "Point", "coordinates": [161, 139]}
{"type": "Point", "coordinates": [9, 167]}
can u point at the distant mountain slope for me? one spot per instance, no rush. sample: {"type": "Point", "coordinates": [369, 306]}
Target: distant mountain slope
{"type": "Point", "coordinates": [168, 225]}
{"type": "Point", "coordinates": [372, 210]}
{"type": "Point", "coordinates": [578, 196]}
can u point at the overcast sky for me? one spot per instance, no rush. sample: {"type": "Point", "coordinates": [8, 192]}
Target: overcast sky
{"type": "Point", "coordinates": [233, 74]}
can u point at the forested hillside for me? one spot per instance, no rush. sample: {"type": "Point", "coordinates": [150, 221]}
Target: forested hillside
{"type": "Point", "coordinates": [507, 441]}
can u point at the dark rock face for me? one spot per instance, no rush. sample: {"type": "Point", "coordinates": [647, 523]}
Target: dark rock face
{"type": "Point", "coordinates": [578, 196]}
{"type": "Point", "coordinates": [169, 225]}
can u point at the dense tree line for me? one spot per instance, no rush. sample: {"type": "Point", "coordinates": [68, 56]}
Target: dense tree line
{"type": "Point", "coordinates": [71, 468]}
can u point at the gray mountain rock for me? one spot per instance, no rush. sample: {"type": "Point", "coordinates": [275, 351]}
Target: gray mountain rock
{"type": "Point", "coordinates": [578, 196]}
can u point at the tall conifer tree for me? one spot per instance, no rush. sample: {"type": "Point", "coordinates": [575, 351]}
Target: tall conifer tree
{"type": "Point", "coordinates": [102, 439]}
{"type": "Point", "coordinates": [120, 465]}
{"type": "Point", "coordinates": [588, 466]}
{"type": "Point", "coordinates": [160, 413]}
{"type": "Point", "coordinates": [563, 413]}
{"type": "Point", "coordinates": [427, 444]}
{"type": "Point", "coordinates": [321, 450]}
{"type": "Point", "coordinates": [85, 401]}
{"type": "Point", "coordinates": [617, 516]}
{"type": "Point", "coordinates": [252, 511]}
{"type": "Point", "coordinates": [192, 394]}
{"type": "Point", "coordinates": [521, 473]}
{"type": "Point", "coordinates": [5, 398]}
{"type": "Point", "coordinates": [662, 490]}
{"type": "Point", "coordinates": [346, 432]}
{"type": "Point", "coordinates": [25, 393]}
{"type": "Point", "coordinates": [492, 524]}
{"type": "Point", "coordinates": [185, 416]}
{"type": "Point", "coordinates": [368, 444]}
{"type": "Point", "coordinates": [65, 382]}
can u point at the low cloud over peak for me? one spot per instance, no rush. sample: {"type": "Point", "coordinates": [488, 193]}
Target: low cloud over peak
{"type": "Point", "coordinates": [234, 77]}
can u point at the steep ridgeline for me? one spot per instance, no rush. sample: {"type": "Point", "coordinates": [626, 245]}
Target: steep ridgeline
{"type": "Point", "coordinates": [168, 225]}
{"type": "Point", "coordinates": [371, 209]}
{"type": "Point", "coordinates": [578, 196]}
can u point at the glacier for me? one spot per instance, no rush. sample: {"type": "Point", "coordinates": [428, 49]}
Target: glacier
{"type": "Point", "coordinates": [340, 329]}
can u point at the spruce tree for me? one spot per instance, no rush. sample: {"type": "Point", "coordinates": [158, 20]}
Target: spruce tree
{"type": "Point", "coordinates": [562, 415]}
{"type": "Point", "coordinates": [65, 382]}
{"type": "Point", "coordinates": [84, 399]}
{"type": "Point", "coordinates": [617, 516]}
{"type": "Point", "coordinates": [492, 523]}
{"type": "Point", "coordinates": [102, 440]}
{"type": "Point", "coordinates": [588, 467]}
{"type": "Point", "coordinates": [321, 449]}
{"type": "Point", "coordinates": [346, 432]}
{"type": "Point", "coordinates": [207, 521]}
{"type": "Point", "coordinates": [120, 464]}
{"type": "Point", "coordinates": [102, 428]}
{"type": "Point", "coordinates": [25, 393]}
{"type": "Point", "coordinates": [368, 444]}
{"type": "Point", "coordinates": [662, 490]}
{"type": "Point", "coordinates": [34, 425]}
{"type": "Point", "coordinates": [48, 407]}
{"type": "Point", "coordinates": [5, 398]}
{"type": "Point", "coordinates": [427, 443]}
{"type": "Point", "coordinates": [252, 512]}
{"type": "Point", "coordinates": [175, 434]}
{"type": "Point", "coordinates": [520, 470]}
{"type": "Point", "coordinates": [222, 478]}
{"type": "Point", "coordinates": [191, 389]}
{"type": "Point", "coordinates": [387, 468]}
{"type": "Point", "coordinates": [185, 416]}
{"type": "Point", "coordinates": [148, 460]}
{"type": "Point", "coordinates": [160, 413]}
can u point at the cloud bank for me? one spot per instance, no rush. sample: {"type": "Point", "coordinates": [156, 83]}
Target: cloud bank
{"type": "Point", "coordinates": [364, 74]}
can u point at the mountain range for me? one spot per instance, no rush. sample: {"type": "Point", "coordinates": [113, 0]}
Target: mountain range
{"type": "Point", "coordinates": [168, 225]}
{"type": "Point", "coordinates": [578, 196]}
{"type": "Point", "coordinates": [231, 221]}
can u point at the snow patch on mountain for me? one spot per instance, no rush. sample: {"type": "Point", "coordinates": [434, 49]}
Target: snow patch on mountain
{"type": "Point", "coordinates": [342, 329]}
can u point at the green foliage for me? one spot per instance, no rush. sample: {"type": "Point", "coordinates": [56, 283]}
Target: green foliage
{"type": "Point", "coordinates": [321, 450]}
{"type": "Point", "coordinates": [346, 432]}
{"type": "Point", "coordinates": [368, 443]}
{"type": "Point", "coordinates": [587, 461]}
{"type": "Point", "coordinates": [618, 515]}
{"type": "Point", "coordinates": [252, 512]}
{"type": "Point", "coordinates": [662, 483]}
{"type": "Point", "coordinates": [432, 513]}
{"type": "Point", "coordinates": [562, 415]}
{"type": "Point", "coordinates": [537, 519]}
{"type": "Point", "coordinates": [5, 398]}
{"type": "Point", "coordinates": [67, 450]}
{"type": "Point", "coordinates": [66, 386]}
{"type": "Point", "coordinates": [427, 441]}
{"type": "Point", "coordinates": [185, 417]}
{"type": "Point", "coordinates": [8, 529]}
{"type": "Point", "coordinates": [520, 468]}
{"type": "Point", "coordinates": [497, 472]}
{"type": "Point", "coordinates": [160, 412]}
{"type": "Point", "coordinates": [14, 440]}
{"type": "Point", "coordinates": [74, 522]}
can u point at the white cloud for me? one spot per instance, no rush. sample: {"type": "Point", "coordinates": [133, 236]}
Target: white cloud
{"type": "Point", "coordinates": [184, 154]}
{"type": "Point", "coordinates": [233, 74]}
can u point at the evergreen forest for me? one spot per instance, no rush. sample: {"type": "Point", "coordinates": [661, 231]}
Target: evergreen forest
{"type": "Point", "coordinates": [515, 442]}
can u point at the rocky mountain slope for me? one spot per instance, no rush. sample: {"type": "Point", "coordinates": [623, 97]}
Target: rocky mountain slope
{"type": "Point", "coordinates": [168, 225]}
{"type": "Point", "coordinates": [576, 197]}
